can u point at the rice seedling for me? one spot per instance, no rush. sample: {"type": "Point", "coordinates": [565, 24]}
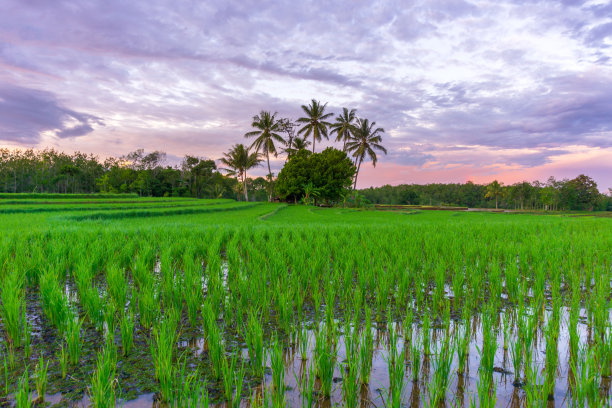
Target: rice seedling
{"type": "Point", "coordinates": [303, 342]}
{"type": "Point", "coordinates": [442, 375]}
{"type": "Point", "coordinates": [278, 374]}
{"type": "Point", "coordinates": [103, 389]}
{"type": "Point", "coordinates": [396, 382]}
{"type": "Point", "coordinates": [307, 386]}
{"type": "Point", "coordinates": [5, 371]}
{"type": "Point", "coordinates": [73, 339]}
{"type": "Point", "coordinates": [22, 396]}
{"type": "Point", "coordinates": [117, 287]}
{"type": "Point", "coordinates": [227, 369]}
{"type": "Point", "coordinates": [127, 333]}
{"type": "Point", "coordinates": [415, 358]}
{"type": "Point", "coordinates": [12, 307]}
{"type": "Point", "coordinates": [325, 357]}
{"type": "Point", "coordinates": [215, 350]}
{"type": "Point", "coordinates": [366, 351]}
{"type": "Point", "coordinates": [255, 344]}
{"type": "Point", "coordinates": [350, 383]}
{"type": "Point", "coordinates": [63, 357]}
{"type": "Point", "coordinates": [162, 351]}
{"type": "Point", "coordinates": [41, 379]}
{"type": "Point", "coordinates": [27, 339]}
{"type": "Point", "coordinates": [188, 392]}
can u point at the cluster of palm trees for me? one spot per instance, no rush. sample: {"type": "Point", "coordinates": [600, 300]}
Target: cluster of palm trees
{"type": "Point", "coordinates": [361, 140]}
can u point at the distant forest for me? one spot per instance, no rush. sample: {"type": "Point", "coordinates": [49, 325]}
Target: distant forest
{"type": "Point", "coordinates": [580, 193]}
{"type": "Point", "coordinates": [50, 171]}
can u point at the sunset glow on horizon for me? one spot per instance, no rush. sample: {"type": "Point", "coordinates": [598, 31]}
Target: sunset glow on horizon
{"type": "Point", "coordinates": [465, 90]}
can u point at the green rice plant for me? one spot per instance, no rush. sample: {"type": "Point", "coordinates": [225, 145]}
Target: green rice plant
{"type": "Point", "coordinates": [110, 316]}
{"type": "Point", "coordinates": [127, 333]}
{"type": "Point", "coordinates": [5, 366]}
{"type": "Point", "coordinates": [215, 350]}
{"type": "Point", "coordinates": [117, 286]}
{"type": "Point", "coordinates": [442, 375]}
{"type": "Point", "coordinates": [552, 356]}
{"type": "Point", "coordinates": [12, 307]}
{"type": "Point", "coordinates": [162, 347]}
{"type": "Point", "coordinates": [350, 383]}
{"type": "Point", "coordinates": [228, 368]}
{"type": "Point", "coordinates": [255, 344]}
{"type": "Point", "coordinates": [507, 329]}
{"type": "Point", "coordinates": [27, 339]}
{"type": "Point", "coordinates": [307, 386]}
{"type": "Point", "coordinates": [536, 392]}
{"type": "Point", "coordinates": [366, 350]}
{"type": "Point", "coordinates": [415, 358]}
{"type": "Point", "coordinates": [516, 355]}
{"type": "Point", "coordinates": [73, 338]}
{"type": "Point", "coordinates": [396, 383]}
{"type": "Point", "coordinates": [102, 391]}
{"type": "Point", "coordinates": [486, 390]}
{"type": "Point", "coordinates": [41, 379]}
{"type": "Point", "coordinates": [22, 396]}
{"type": "Point", "coordinates": [238, 384]}
{"type": "Point", "coordinates": [407, 324]}
{"type": "Point", "coordinates": [53, 300]}
{"type": "Point", "coordinates": [148, 306]}
{"type": "Point", "coordinates": [426, 335]}
{"type": "Point", "coordinates": [92, 304]}
{"type": "Point", "coordinates": [325, 357]}
{"type": "Point", "coordinates": [188, 392]}
{"type": "Point", "coordinates": [303, 342]}
{"type": "Point", "coordinates": [584, 390]}
{"type": "Point", "coordinates": [604, 351]}
{"type": "Point", "coordinates": [462, 344]}
{"type": "Point", "coordinates": [63, 358]}
{"type": "Point", "coordinates": [278, 373]}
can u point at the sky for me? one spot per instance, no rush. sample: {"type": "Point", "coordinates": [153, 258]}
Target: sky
{"type": "Point", "coordinates": [465, 89]}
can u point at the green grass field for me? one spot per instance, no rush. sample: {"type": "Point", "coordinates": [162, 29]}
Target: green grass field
{"type": "Point", "coordinates": [135, 301]}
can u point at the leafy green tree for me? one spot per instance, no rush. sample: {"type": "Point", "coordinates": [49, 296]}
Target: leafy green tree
{"type": "Point", "coordinates": [315, 123]}
{"type": "Point", "coordinates": [581, 193]}
{"type": "Point", "coordinates": [495, 190]}
{"type": "Point", "coordinates": [344, 126]}
{"type": "Point", "coordinates": [366, 139]}
{"type": "Point", "coordinates": [267, 133]}
{"type": "Point", "coordinates": [238, 161]}
{"type": "Point", "coordinates": [329, 172]}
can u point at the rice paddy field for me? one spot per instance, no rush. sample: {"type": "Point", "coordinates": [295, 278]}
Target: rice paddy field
{"type": "Point", "coordinates": [141, 302]}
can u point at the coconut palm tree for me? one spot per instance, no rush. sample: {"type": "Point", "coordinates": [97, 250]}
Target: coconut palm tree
{"type": "Point", "coordinates": [238, 160]}
{"type": "Point", "coordinates": [314, 122]}
{"type": "Point", "coordinates": [267, 133]}
{"type": "Point", "coordinates": [495, 190]}
{"type": "Point", "coordinates": [366, 139]}
{"type": "Point", "coordinates": [296, 145]}
{"type": "Point", "coordinates": [344, 126]}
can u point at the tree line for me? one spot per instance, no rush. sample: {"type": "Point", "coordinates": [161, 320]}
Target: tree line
{"type": "Point", "coordinates": [147, 174]}
{"type": "Point", "coordinates": [580, 193]}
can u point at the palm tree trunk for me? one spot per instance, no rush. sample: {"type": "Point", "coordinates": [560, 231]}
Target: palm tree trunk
{"type": "Point", "coordinates": [270, 185]}
{"type": "Point", "coordinates": [314, 139]}
{"type": "Point", "coordinates": [244, 186]}
{"type": "Point", "coordinates": [357, 174]}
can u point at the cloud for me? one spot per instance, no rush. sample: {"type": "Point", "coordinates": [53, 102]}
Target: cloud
{"type": "Point", "coordinates": [26, 113]}
{"type": "Point", "coordinates": [504, 83]}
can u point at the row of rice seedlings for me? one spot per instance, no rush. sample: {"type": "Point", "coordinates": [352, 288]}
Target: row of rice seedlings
{"type": "Point", "coordinates": [164, 338]}
{"type": "Point", "coordinates": [41, 379]}
{"type": "Point", "coordinates": [12, 307]}
{"type": "Point", "coordinates": [255, 344]}
{"type": "Point", "coordinates": [104, 385]}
